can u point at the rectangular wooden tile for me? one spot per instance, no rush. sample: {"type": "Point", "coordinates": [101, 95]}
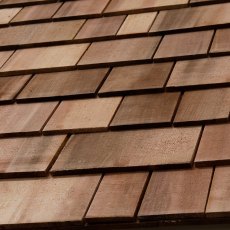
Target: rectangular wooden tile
{"type": "Point", "coordinates": [46, 202]}
{"type": "Point", "coordinates": [27, 156]}
{"type": "Point", "coordinates": [56, 85]}
{"type": "Point", "coordinates": [184, 45]}
{"type": "Point", "coordinates": [117, 197]}
{"type": "Point", "coordinates": [191, 18]}
{"type": "Point", "coordinates": [137, 23]}
{"type": "Point", "coordinates": [4, 56]}
{"type": "Point", "coordinates": [176, 194]}
{"type": "Point", "coordinates": [18, 119]}
{"type": "Point", "coordinates": [220, 43]}
{"type": "Point", "coordinates": [200, 73]}
{"type": "Point", "coordinates": [124, 150]}
{"type": "Point", "coordinates": [36, 13]}
{"type": "Point", "coordinates": [43, 59]}
{"type": "Point", "coordinates": [219, 198]}
{"type": "Point", "coordinates": [10, 86]}
{"type": "Point", "coordinates": [81, 8]}
{"type": "Point", "coordinates": [146, 110]}
{"type": "Point", "coordinates": [112, 52]}
{"type": "Point", "coordinates": [204, 106]}
{"type": "Point", "coordinates": [31, 34]}
{"type": "Point", "coordinates": [136, 78]}
{"type": "Point", "coordinates": [98, 28]}
{"type": "Point", "coordinates": [83, 115]}
{"type": "Point", "coordinates": [125, 6]}
{"type": "Point", "coordinates": [7, 14]}
{"type": "Point", "coordinates": [214, 148]}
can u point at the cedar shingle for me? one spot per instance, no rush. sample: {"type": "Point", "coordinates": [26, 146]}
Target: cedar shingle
{"type": "Point", "coordinates": [81, 8]}
{"type": "Point", "coordinates": [117, 197]}
{"type": "Point", "coordinates": [221, 42]}
{"type": "Point", "coordinates": [125, 6]}
{"type": "Point", "coordinates": [191, 18]}
{"type": "Point", "coordinates": [219, 198]}
{"type": "Point", "coordinates": [128, 150]}
{"type": "Point", "coordinates": [63, 84]}
{"type": "Point", "coordinates": [20, 119]}
{"type": "Point", "coordinates": [44, 58]}
{"type": "Point", "coordinates": [214, 147]}
{"type": "Point", "coordinates": [137, 23]}
{"type": "Point", "coordinates": [7, 14]}
{"type": "Point", "coordinates": [10, 86]}
{"type": "Point", "coordinates": [36, 13]}
{"type": "Point", "coordinates": [200, 73]}
{"type": "Point", "coordinates": [83, 115]}
{"type": "Point", "coordinates": [112, 52]}
{"type": "Point", "coordinates": [34, 33]}
{"type": "Point", "coordinates": [98, 28]}
{"type": "Point", "coordinates": [146, 110]}
{"type": "Point", "coordinates": [185, 45]}
{"type": "Point", "coordinates": [176, 194]}
{"type": "Point", "coordinates": [51, 201]}
{"type": "Point", "coordinates": [28, 155]}
{"type": "Point", "coordinates": [136, 78]}
{"type": "Point", "coordinates": [204, 106]}
{"type": "Point", "coordinates": [4, 55]}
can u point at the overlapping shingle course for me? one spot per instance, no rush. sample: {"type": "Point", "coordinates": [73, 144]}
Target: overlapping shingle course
{"type": "Point", "coordinates": [127, 56]}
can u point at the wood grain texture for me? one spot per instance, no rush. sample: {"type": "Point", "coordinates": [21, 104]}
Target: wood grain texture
{"type": "Point", "coordinates": [136, 78]}
{"type": "Point", "coordinates": [10, 86]}
{"type": "Point", "coordinates": [128, 149]}
{"type": "Point", "coordinates": [4, 55]}
{"type": "Point", "coordinates": [7, 14]}
{"type": "Point", "coordinates": [46, 202]}
{"type": "Point", "coordinates": [204, 106]}
{"type": "Point", "coordinates": [176, 194]}
{"type": "Point", "coordinates": [219, 198]}
{"type": "Point", "coordinates": [137, 23]}
{"type": "Point", "coordinates": [125, 6]}
{"type": "Point", "coordinates": [201, 73]}
{"type": "Point", "coordinates": [36, 13]}
{"type": "Point", "coordinates": [83, 115]}
{"type": "Point", "coordinates": [146, 110]}
{"type": "Point", "coordinates": [117, 197]}
{"type": "Point", "coordinates": [56, 85]}
{"type": "Point", "coordinates": [98, 28]}
{"type": "Point", "coordinates": [28, 155]}
{"type": "Point", "coordinates": [191, 18]}
{"type": "Point", "coordinates": [81, 8]}
{"type": "Point", "coordinates": [214, 148]}
{"type": "Point", "coordinates": [112, 52]}
{"type": "Point", "coordinates": [31, 34]}
{"type": "Point", "coordinates": [184, 45]}
{"type": "Point", "coordinates": [13, 3]}
{"type": "Point", "coordinates": [221, 42]}
{"type": "Point", "coordinates": [20, 119]}
{"type": "Point", "coordinates": [44, 58]}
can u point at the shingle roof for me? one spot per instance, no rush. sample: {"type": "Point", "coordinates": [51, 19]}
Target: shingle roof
{"type": "Point", "coordinates": [114, 113]}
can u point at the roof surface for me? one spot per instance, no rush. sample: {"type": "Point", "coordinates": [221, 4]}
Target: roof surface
{"type": "Point", "coordinates": [114, 113]}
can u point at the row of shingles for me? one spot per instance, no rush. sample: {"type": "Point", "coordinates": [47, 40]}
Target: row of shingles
{"type": "Point", "coordinates": [47, 11]}
{"type": "Point", "coordinates": [191, 193]}
{"type": "Point", "coordinates": [118, 197]}
{"type": "Point", "coordinates": [81, 9]}
{"type": "Point", "coordinates": [163, 52]}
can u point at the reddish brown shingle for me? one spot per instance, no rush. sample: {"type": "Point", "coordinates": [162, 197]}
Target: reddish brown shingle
{"type": "Point", "coordinates": [128, 149]}
{"type": "Point", "coordinates": [184, 194]}
{"type": "Point", "coordinates": [184, 45]}
{"type": "Point", "coordinates": [112, 52]}
{"type": "Point", "coordinates": [117, 197]}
